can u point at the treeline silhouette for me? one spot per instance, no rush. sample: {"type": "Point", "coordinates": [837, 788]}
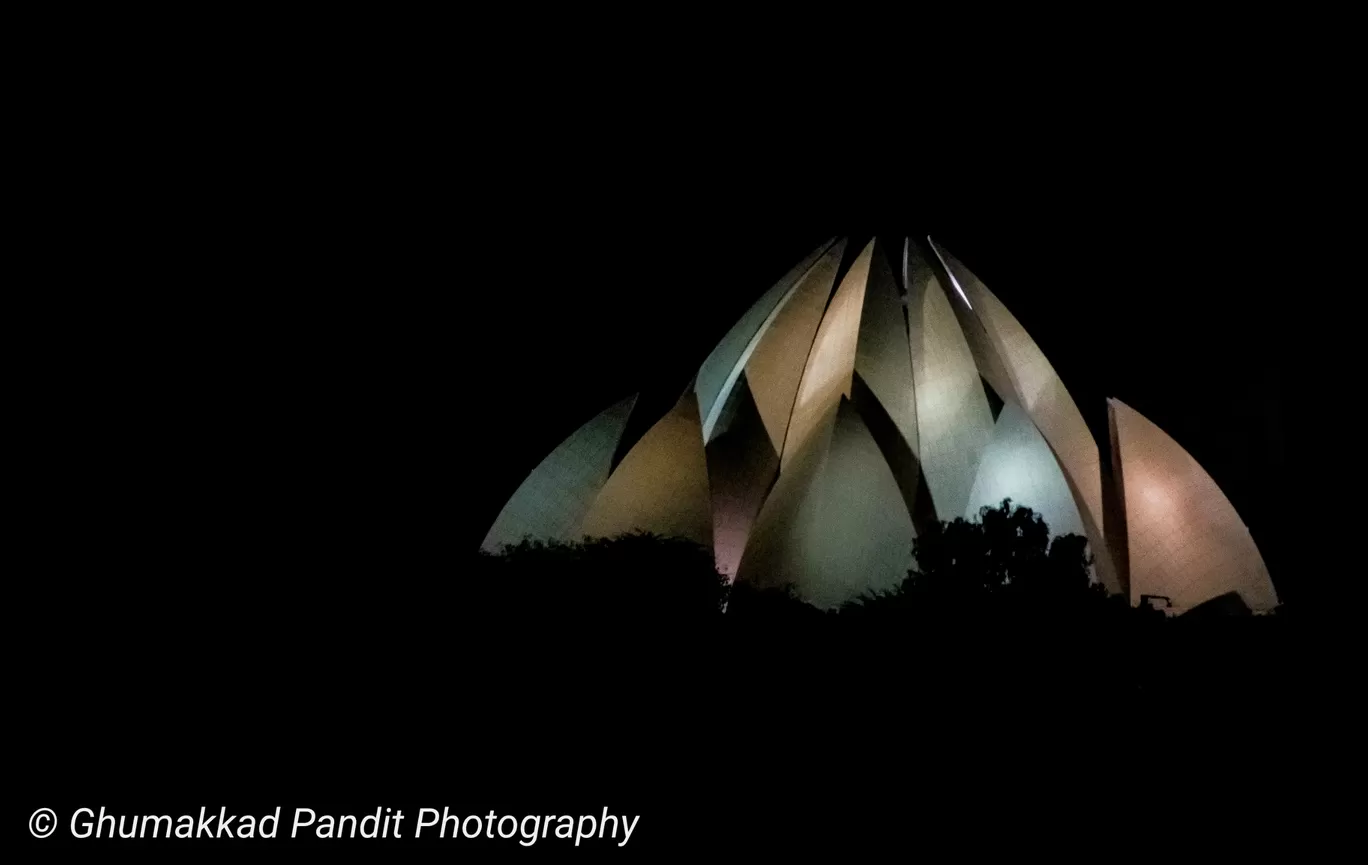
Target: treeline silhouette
{"type": "Point", "coordinates": [1003, 565]}
{"type": "Point", "coordinates": [993, 605]}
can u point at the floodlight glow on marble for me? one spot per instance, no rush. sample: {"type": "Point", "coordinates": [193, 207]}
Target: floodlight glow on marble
{"type": "Point", "coordinates": [833, 405]}
{"type": "Point", "coordinates": [953, 281]}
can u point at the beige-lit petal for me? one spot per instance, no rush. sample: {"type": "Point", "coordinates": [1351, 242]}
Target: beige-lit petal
{"type": "Point", "coordinates": [831, 362]}
{"type": "Point", "coordinates": [723, 366]}
{"type": "Point", "coordinates": [661, 486]}
{"type": "Point", "coordinates": [775, 365]}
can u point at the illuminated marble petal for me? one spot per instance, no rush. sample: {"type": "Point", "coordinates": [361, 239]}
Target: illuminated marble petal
{"type": "Point", "coordinates": [831, 362]}
{"type": "Point", "coordinates": [1007, 350]}
{"type": "Point", "coordinates": [954, 421]}
{"type": "Point", "coordinates": [720, 371]}
{"type": "Point", "coordinates": [742, 466]}
{"type": "Point", "coordinates": [776, 362]}
{"type": "Point", "coordinates": [552, 502]}
{"type": "Point", "coordinates": [661, 486]}
{"type": "Point", "coordinates": [1184, 540]}
{"type": "Point", "coordinates": [884, 357]}
{"type": "Point", "coordinates": [1018, 464]}
{"type": "Point", "coordinates": [835, 526]}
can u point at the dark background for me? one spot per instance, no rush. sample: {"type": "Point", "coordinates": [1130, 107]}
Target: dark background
{"type": "Point", "coordinates": [279, 378]}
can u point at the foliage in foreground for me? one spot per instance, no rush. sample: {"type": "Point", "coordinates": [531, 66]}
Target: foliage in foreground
{"type": "Point", "coordinates": [1003, 564]}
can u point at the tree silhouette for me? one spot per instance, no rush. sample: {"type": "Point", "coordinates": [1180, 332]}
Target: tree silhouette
{"type": "Point", "coordinates": [995, 618]}
{"type": "Point", "coordinates": [1003, 563]}
{"type": "Point", "coordinates": [1005, 559]}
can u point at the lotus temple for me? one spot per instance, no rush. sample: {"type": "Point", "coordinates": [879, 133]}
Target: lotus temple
{"type": "Point", "coordinates": [875, 389]}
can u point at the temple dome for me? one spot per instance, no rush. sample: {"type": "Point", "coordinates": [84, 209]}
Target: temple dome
{"type": "Point", "coordinates": [876, 387]}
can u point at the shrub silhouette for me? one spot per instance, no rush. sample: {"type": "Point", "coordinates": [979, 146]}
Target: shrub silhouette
{"type": "Point", "coordinates": [631, 577]}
